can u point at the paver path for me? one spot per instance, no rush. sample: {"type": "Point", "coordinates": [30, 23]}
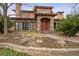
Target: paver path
{"type": "Point", "coordinates": [54, 36]}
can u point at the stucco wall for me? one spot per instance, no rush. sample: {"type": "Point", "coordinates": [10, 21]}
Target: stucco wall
{"type": "Point", "coordinates": [44, 10]}
{"type": "Point", "coordinates": [28, 15]}
{"type": "Point", "coordinates": [60, 16]}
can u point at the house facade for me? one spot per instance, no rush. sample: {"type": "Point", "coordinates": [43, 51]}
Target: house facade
{"type": "Point", "coordinates": [41, 18]}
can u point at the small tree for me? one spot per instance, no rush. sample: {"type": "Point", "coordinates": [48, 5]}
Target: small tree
{"type": "Point", "coordinates": [70, 25]}
{"type": "Point", "coordinates": [9, 24]}
{"type": "Point", "coordinates": [5, 7]}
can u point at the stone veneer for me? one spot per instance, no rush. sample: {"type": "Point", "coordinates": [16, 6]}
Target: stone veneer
{"type": "Point", "coordinates": [39, 22]}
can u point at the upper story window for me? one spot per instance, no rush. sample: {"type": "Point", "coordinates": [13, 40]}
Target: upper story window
{"type": "Point", "coordinates": [43, 11]}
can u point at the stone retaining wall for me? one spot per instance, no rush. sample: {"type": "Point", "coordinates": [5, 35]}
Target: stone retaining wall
{"type": "Point", "coordinates": [35, 50]}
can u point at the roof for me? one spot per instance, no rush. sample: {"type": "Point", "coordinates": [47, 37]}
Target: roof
{"type": "Point", "coordinates": [28, 11]}
{"type": "Point", "coordinates": [60, 12]}
{"type": "Point", "coordinates": [57, 20]}
{"type": "Point", "coordinates": [20, 18]}
{"type": "Point", "coordinates": [46, 14]}
{"type": "Point", "coordinates": [45, 7]}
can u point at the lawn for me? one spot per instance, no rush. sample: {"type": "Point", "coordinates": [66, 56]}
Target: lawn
{"type": "Point", "coordinates": [28, 33]}
{"type": "Point", "coordinates": [9, 52]}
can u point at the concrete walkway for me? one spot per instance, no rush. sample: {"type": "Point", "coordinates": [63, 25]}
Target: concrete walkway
{"type": "Point", "coordinates": [54, 36]}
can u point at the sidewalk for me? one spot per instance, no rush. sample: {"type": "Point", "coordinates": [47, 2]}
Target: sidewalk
{"type": "Point", "coordinates": [54, 36]}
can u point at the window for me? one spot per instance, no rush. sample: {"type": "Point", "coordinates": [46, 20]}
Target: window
{"type": "Point", "coordinates": [25, 25]}
{"type": "Point", "coordinates": [17, 25]}
{"type": "Point", "coordinates": [29, 25]}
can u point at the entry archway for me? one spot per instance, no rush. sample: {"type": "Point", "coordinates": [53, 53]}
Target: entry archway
{"type": "Point", "coordinates": [45, 24]}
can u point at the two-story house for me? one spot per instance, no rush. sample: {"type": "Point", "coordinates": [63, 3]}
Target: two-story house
{"type": "Point", "coordinates": [41, 18]}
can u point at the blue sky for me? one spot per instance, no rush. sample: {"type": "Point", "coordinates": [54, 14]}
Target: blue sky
{"type": "Point", "coordinates": [66, 7]}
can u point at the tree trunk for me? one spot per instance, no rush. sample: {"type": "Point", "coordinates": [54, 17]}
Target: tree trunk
{"type": "Point", "coordinates": [5, 20]}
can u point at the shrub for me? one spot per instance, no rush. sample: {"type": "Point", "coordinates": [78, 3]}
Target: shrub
{"type": "Point", "coordinates": [69, 26]}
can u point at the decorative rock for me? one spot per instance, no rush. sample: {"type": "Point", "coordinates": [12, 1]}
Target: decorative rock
{"type": "Point", "coordinates": [39, 41]}
{"type": "Point", "coordinates": [62, 42]}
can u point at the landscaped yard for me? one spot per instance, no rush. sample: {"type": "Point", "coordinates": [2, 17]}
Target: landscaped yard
{"type": "Point", "coordinates": [50, 43]}
{"type": "Point", "coordinates": [35, 40]}
{"type": "Point", "coordinates": [9, 52]}
{"type": "Point", "coordinates": [40, 42]}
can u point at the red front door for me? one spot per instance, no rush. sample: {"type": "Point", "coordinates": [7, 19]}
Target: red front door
{"type": "Point", "coordinates": [45, 26]}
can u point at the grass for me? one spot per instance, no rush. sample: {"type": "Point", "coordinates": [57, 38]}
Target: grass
{"type": "Point", "coordinates": [28, 33]}
{"type": "Point", "coordinates": [10, 52]}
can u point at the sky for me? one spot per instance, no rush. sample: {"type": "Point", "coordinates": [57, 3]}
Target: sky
{"type": "Point", "coordinates": [66, 7]}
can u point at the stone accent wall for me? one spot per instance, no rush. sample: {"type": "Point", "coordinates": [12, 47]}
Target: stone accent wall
{"type": "Point", "coordinates": [18, 14]}
{"type": "Point", "coordinates": [51, 24]}
{"type": "Point", "coordinates": [39, 22]}
{"type": "Point", "coordinates": [18, 9]}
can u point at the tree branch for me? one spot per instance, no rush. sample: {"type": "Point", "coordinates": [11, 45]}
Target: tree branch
{"type": "Point", "coordinates": [9, 5]}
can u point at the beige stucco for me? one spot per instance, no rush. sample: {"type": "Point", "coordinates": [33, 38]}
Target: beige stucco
{"type": "Point", "coordinates": [28, 15]}
{"type": "Point", "coordinates": [43, 10]}
{"type": "Point", "coordinates": [60, 16]}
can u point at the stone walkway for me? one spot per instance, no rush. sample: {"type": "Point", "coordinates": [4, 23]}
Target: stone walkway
{"type": "Point", "coordinates": [35, 51]}
{"type": "Point", "coordinates": [54, 36]}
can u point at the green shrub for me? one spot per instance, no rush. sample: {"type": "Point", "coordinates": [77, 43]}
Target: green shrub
{"type": "Point", "coordinates": [69, 26]}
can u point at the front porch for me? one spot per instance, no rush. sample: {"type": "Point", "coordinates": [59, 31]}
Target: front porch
{"type": "Point", "coordinates": [28, 25]}
{"type": "Point", "coordinates": [40, 24]}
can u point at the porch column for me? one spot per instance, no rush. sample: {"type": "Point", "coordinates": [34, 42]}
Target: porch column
{"type": "Point", "coordinates": [38, 24]}
{"type": "Point", "coordinates": [51, 24]}
{"type": "Point", "coordinates": [21, 26]}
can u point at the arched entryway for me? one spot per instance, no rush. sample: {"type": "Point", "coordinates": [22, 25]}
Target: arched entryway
{"type": "Point", "coordinates": [45, 24]}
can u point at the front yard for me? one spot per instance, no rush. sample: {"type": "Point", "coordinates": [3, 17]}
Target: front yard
{"type": "Point", "coordinates": [35, 39]}
{"type": "Point", "coordinates": [9, 52]}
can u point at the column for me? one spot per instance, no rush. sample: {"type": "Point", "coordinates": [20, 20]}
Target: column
{"type": "Point", "coordinates": [51, 24]}
{"type": "Point", "coordinates": [38, 24]}
{"type": "Point", "coordinates": [57, 24]}
{"type": "Point", "coordinates": [16, 26]}
{"type": "Point", "coordinates": [21, 26]}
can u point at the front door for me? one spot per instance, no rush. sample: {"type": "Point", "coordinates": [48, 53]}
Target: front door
{"type": "Point", "coordinates": [45, 25]}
